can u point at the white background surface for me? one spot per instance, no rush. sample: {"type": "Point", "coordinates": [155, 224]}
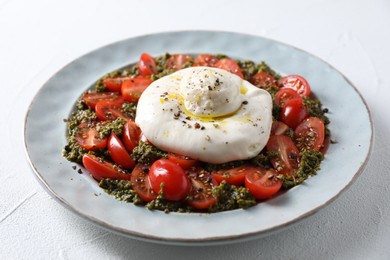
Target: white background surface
{"type": "Point", "coordinates": [37, 38]}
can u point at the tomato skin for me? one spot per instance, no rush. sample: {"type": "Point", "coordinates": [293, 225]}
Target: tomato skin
{"type": "Point", "coordinates": [141, 182]}
{"type": "Point", "coordinates": [88, 137]}
{"type": "Point", "coordinates": [279, 128]}
{"type": "Point", "coordinates": [147, 65]}
{"type": "Point", "coordinates": [115, 83]}
{"type": "Point", "coordinates": [262, 183]}
{"type": "Point", "coordinates": [293, 112]}
{"type": "Point", "coordinates": [229, 65]}
{"type": "Point", "coordinates": [178, 61]}
{"type": "Point", "coordinates": [206, 60]}
{"type": "Point", "coordinates": [263, 80]}
{"type": "Point", "coordinates": [131, 135]}
{"type": "Point", "coordinates": [288, 157]}
{"type": "Point", "coordinates": [202, 183]}
{"type": "Point", "coordinates": [234, 176]}
{"type": "Point", "coordinates": [310, 134]}
{"type": "Point", "coordinates": [107, 110]}
{"type": "Point", "coordinates": [176, 185]}
{"type": "Point", "coordinates": [101, 169]}
{"type": "Point", "coordinates": [92, 98]}
{"type": "Point", "coordinates": [133, 88]}
{"type": "Point", "coordinates": [284, 95]}
{"type": "Point", "coordinates": [297, 83]}
{"type": "Point", "coordinates": [184, 161]}
{"type": "Point", "coordinates": [118, 152]}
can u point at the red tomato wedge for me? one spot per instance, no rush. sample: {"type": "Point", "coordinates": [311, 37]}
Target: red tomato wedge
{"type": "Point", "coordinates": [147, 65]}
{"type": "Point", "coordinates": [288, 154]}
{"type": "Point", "coordinates": [263, 80]}
{"type": "Point", "coordinates": [284, 95]}
{"type": "Point", "coordinates": [133, 88]}
{"type": "Point", "coordinates": [107, 110]}
{"type": "Point", "coordinates": [200, 196]}
{"type": "Point", "coordinates": [279, 128]}
{"type": "Point", "coordinates": [118, 152]}
{"type": "Point", "coordinates": [141, 182]}
{"type": "Point", "coordinates": [234, 176]}
{"type": "Point", "coordinates": [92, 98]}
{"type": "Point", "coordinates": [229, 65]}
{"type": "Point", "coordinates": [297, 83]}
{"type": "Point", "coordinates": [293, 112]}
{"type": "Point", "coordinates": [101, 169]}
{"type": "Point", "coordinates": [131, 135]}
{"type": "Point", "coordinates": [88, 137]}
{"type": "Point", "coordinates": [262, 183]}
{"type": "Point", "coordinates": [115, 83]}
{"type": "Point", "coordinates": [184, 161]}
{"type": "Point", "coordinates": [206, 60]}
{"type": "Point", "coordinates": [310, 134]}
{"type": "Point", "coordinates": [178, 61]}
{"type": "Point", "coordinates": [171, 178]}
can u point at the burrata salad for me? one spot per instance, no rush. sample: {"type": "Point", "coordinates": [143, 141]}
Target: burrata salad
{"type": "Point", "coordinates": [197, 133]}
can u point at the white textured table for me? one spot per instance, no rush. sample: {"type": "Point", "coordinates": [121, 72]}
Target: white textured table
{"type": "Point", "coordinates": [37, 38]}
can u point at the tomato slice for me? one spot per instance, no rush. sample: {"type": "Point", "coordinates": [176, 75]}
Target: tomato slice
{"type": "Point", "coordinates": [263, 80]}
{"type": "Point", "coordinates": [202, 183]}
{"type": "Point", "coordinates": [101, 169]}
{"type": "Point", "coordinates": [310, 134]}
{"type": "Point", "coordinates": [131, 135]}
{"type": "Point", "coordinates": [178, 61]}
{"type": "Point", "coordinates": [279, 128]}
{"type": "Point", "coordinates": [107, 110]}
{"type": "Point", "coordinates": [92, 98]}
{"type": "Point", "coordinates": [297, 83]}
{"type": "Point", "coordinates": [184, 161]}
{"type": "Point", "coordinates": [284, 95]}
{"type": "Point", "coordinates": [206, 60]}
{"type": "Point", "coordinates": [147, 65]}
{"type": "Point", "coordinates": [229, 65]}
{"type": "Point", "coordinates": [234, 176]}
{"type": "Point", "coordinates": [262, 183]}
{"type": "Point", "coordinates": [115, 83]}
{"type": "Point", "coordinates": [141, 182]}
{"type": "Point", "coordinates": [88, 137]}
{"type": "Point", "coordinates": [118, 152]}
{"type": "Point", "coordinates": [293, 112]}
{"type": "Point", "coordinates": [171, 178]}
{"type": "Point", "coordinates": [288, 154]}
{"type": "Point", "coordinates": [133, 88]}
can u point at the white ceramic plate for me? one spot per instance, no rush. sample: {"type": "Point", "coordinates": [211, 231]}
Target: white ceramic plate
{"type": "Point", "coordinates": [45, 138]}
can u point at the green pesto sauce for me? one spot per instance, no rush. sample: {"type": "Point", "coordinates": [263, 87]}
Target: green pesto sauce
{"type": "Point", "coordinates": [146, 153]}
{"type": "Point", "coordinates": [121, 190]}
{"type": "Point", "coordinates": [105, 128]}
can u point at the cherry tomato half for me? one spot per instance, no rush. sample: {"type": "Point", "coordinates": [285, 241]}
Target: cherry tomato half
{"type": "Point", "coordinates": [310, 134]}
{"type": "Point", "coordinates": [101, 169]}
{"type": "Point", "coordinates": [147, 65]}
{"type": "Point", "coordinates": [118, 152]}
{"type": "Point", "coordinates": [293, 112]}
{"type": "Point", "coordinates": [279, 128]}
{"type": "Point", "coordinates": [202, 183]}
{"type": "Point", "coordinates": [206, 60]}
{"type": "Point", "coordinates": [234, 176]}
{"type": "Point", "coordinates": [131, 135]}
{"type": "Point", "coordinates": [288, 154]}
{"type": "Point", "coordinates": [184, 161]}
{"type": "Point", "coordinates": [229, 65]}
{"type": "Point", "coordinates": [178, 61]}
{"type": "Point", "coordinates": [171, 178]}
{"type": "Point", "coordinates": [263, 80]}
{"type": "Point", "coordinates": [262, 183]}
{"type": "Point", "coordinates": [133, 88]}
{"type": "Point", "coordinates": [115, 83]}
{"type": "Point", "coordinates": [297, 83]}
{"type": "Point", "coordinates": [88, 137]}
{"type": "Point", "coordinates": [141, 182]}
{"type": "Point", "coordinates": [92, 98]}
{"type": "Point", "coordinates": [107, 110]}
{"type": "Point", "coordinates": [284, 95]}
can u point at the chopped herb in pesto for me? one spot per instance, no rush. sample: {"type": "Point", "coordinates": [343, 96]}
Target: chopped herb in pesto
{"type": "Point", "coordinates": [167, 206]}
{"type": "Point", "coordinates": [146, 153]}
{"type": "Point", "coordinates": [263, 67]}
{"type": "Point", "coordinates": [105, 128]}
{"type": "Point", "coordinates": [120, 189]}
{"type": "Point", "coordinates": [129, 109]}
{"type": "Point", "coordinates": [263, 160]}
{"type": "Point", "coordinates": [248, 68]}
